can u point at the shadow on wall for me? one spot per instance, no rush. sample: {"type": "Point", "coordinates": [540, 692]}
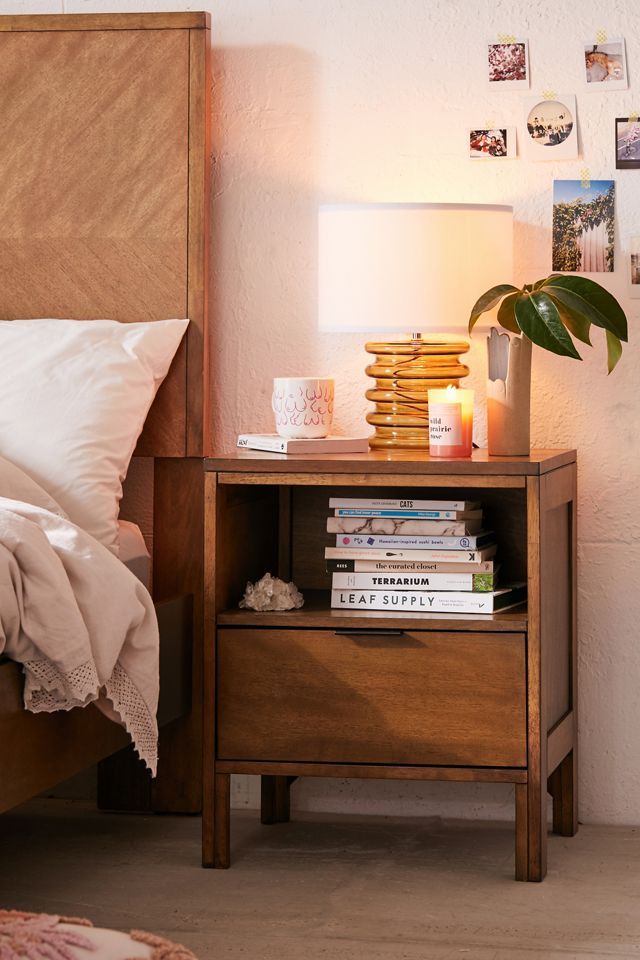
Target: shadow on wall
{"type": "Point", "coordinates": [263, 301]}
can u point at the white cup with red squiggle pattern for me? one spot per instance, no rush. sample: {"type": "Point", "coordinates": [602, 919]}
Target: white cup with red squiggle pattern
{"type": "Point", "coordinates": [303, 406]}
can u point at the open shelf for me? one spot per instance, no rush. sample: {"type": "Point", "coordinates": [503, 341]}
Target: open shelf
{"type": "Point", "coordinates": [317, 614]}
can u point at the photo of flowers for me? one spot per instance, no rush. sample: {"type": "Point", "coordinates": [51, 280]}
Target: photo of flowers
{"type": "Point", "coordinates": [583, 226]}
{"type": "Point", "coordinates": [606, 65]}
{"type": "Point", "coordinates": [509, 63]}
{"type": "Point", "coordinates": [627, 143]}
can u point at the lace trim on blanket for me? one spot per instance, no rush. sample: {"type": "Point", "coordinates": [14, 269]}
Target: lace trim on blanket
{"type": "Point", "coordinates": [48, 689]}
{"type": "Point", "coordinates": [141, 725]}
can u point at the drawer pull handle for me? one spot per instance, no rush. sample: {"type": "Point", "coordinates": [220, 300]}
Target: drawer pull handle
{"type": "Point", "coordinates": [364, 632]}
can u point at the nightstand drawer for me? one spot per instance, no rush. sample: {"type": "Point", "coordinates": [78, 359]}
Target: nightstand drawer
{"type": "Point", "coordinates": [405, 697]}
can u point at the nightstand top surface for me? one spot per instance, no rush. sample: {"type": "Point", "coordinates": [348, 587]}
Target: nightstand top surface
{"type": "Point", "coordinates": [381, 462]}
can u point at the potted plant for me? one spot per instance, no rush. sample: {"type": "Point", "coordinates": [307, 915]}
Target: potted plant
{"type": "Point", "coordinates": [549, 313]}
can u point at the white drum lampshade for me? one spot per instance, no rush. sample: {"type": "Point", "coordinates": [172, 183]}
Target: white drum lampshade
{"type": "Point", "coordinates": [410, 268]}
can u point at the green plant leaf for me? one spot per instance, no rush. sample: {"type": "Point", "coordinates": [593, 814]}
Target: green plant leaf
{"type": "Point", "coordinates": [488, 301]}
{"type": "Point", "coordinates": [538, 318]}
{"type": "Point", "coordinates": [591, 300]}
{"type": "Point", "coordinates": [506, 313]}
{"type": "Point", "coordinates": [576, 323]}
{"type": "Point", "coordinates": [614, 350]}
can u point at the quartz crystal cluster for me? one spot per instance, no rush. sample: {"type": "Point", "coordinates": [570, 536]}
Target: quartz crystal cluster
{"type": "Point", "coordinates": [271, 593]}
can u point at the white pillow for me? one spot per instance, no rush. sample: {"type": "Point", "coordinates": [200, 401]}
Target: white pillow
{"type": "Point", "coordinates": [16, 485]}
{"type": "Point", "coordinates": [74, 395]}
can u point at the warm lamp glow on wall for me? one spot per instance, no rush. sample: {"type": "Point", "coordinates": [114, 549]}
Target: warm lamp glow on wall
{"type": "Point", "coordinates": [414, 268]}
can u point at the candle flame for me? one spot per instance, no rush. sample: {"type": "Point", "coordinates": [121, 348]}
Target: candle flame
{"type": "Point", "coordinates": [451, 392]}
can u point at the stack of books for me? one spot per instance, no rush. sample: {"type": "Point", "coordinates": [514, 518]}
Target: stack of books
{"type": "Point", "coordinates": [414, 556]}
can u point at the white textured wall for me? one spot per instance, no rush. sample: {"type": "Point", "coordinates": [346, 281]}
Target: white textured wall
{"type": "Point", "coordinates": [370, 100]}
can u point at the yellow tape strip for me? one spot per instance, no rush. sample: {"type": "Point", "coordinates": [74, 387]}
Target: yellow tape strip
{"type": "Point", "coordinates": [490, 124]}
{"type": "Point", "coordinates": [549, 95]}
{"type": "Point", "coordinates": [506, 38]}
{"type": "Point", "coordinates": [601, 36]}
{"type": "Point", "coordinates": [633, 117]}
{"type": "Point", "coordinates": [585, 178]}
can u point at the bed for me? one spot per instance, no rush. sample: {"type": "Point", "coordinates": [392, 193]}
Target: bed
{"type": "Point", "coordinates": [104, 153]}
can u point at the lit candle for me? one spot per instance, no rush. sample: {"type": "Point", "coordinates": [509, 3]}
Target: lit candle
{"type": "Point", "coordinates": [450, 422]}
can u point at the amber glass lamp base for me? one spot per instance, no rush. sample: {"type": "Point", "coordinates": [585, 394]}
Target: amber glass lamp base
{"type": "Point", "coordinates": [404, 371]}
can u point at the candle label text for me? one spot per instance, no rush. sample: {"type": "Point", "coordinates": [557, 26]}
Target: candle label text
{"type": "Point", "coordinates": [445, 424]}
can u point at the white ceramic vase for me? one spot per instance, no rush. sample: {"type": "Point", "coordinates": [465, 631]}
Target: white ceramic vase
{"type": "Point", "coordinates": [508, 395]}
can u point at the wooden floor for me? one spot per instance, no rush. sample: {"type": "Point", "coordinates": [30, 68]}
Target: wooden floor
{"type": "Point", "coordinates": [339, 888]}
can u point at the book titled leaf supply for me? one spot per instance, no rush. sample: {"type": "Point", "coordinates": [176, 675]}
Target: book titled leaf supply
{"type": "Point", "coordinates": [424, 601]}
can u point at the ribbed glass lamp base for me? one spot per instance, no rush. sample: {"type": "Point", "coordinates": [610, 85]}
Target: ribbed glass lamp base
{"type": "Point", "coordinates": [404, 371]}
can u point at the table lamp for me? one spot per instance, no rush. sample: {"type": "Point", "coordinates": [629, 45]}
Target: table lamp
{"type": "Point", "coordinates": [414, 268]}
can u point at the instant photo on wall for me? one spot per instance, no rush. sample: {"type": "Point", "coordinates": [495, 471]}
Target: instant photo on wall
{"type": "Point", "coordinates": [550, 128]}
{"type": "Point", "coordinates": [583, 226]}
{"type": "Point", "coordinates": [492, 143]}
{"type": "Point", "coordinates": [634, 267]}
{"type": "Point", "coordinates": [508, 64]}
{"type": "Point", "coordinates": [627, 143]}
{"type": "Point", "coordinates": [606, 65]}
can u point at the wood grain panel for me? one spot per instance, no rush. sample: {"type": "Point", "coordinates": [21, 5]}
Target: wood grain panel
{"type": "Point", "coordinates": [37, 751]}
{"type": "Point", "coordinates": [178, 568]}
{"type": "Point", "coordinates": [209, 674]}
{"type": "Point", "coordinates": [385, 462]}
{"type": "Point", "coordinates": [94, 205]}
{"type": "Point", "coordinates": [104, 213]}
{"type": "Point", "coordinates": [105, 21]}
{"type": "Point", "coordinates": [536, 806]}
{"type": "Point", "coordinates": [198, 405]}
{"type": "Point", "coordinates": [420, 698]}
{"type": "Point", "coordinates": [555, 532]}
{"type": "Point", "coordinates": [313, 476]}
{"type": "Point", "coordinates": [375, 771]}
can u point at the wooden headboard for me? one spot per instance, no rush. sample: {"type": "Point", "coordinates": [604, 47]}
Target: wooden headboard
{"type": "Point", "coordinates": [104, 195]}
{"type": "Point", "coordinates": [104, 202]}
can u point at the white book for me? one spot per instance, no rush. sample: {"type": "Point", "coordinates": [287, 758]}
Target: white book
{"type": "Point", "coordinates": [412, 580]}
{"type": "Point", "coordinates": [407, 514]}
{"type": "Point", "coordinates": [396, 526]}
{"type": "Point", "coordinates": [425, 601]}
{"type": "Point", "coordinates": [357, 541]}
{"type": "Point", "coordinates": [383, 504]}
{"type": "Point", "coordinates": [272, 443]}
{"type": "Point", "coordinates": [413, 566]}
{"type": "Point", "coordinates": [440, 556]}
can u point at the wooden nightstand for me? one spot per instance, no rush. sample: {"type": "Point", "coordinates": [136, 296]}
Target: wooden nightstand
{"type": "Point", "coordinates": [342, 693]}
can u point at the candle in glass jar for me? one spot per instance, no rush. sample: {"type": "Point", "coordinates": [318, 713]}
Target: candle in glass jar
{"type": "Point", "coordinates": [450, 422]}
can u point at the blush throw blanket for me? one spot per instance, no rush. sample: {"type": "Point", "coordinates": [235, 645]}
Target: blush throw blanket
{"type": "Point", "coordinates": [82, 626]}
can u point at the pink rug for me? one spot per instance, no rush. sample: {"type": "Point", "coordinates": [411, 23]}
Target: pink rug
{"type": "Point", "coordinates": [39, 936]}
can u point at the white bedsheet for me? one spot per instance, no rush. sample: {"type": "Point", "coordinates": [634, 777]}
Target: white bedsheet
{"type": "Point", "coordinates": [81, 624]}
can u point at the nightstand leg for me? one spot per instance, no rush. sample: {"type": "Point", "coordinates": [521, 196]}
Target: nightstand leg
{"type": "Point", "coordinates": [221, 818]}
{"type": "Point", "coordinates": [537, 832]}
{"type": "Point", "coordinates": [531, 832]}
{"type": "Point", "coordinates": [215, 824]}
{"type": "Point", "coordinates": [274, 799]}
{"type": "Point", "coordinates": [522, 832]}
{"type": "Point", "coordinates": [563, 787]}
